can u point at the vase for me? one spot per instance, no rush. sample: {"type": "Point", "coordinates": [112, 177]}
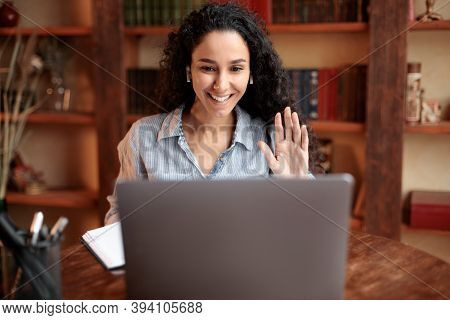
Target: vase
{"type": "Point", "coordinates": [3, 205]}
{"type": "Point", "coordinates": [29, 271]}
{"type": "Point", "coordinates": [6, 259]}
{"type": "Point", "coordinates": [9, 17]}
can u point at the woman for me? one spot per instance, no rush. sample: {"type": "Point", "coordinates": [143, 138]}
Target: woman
{"type": "Point", "coordinates": [219, 57]}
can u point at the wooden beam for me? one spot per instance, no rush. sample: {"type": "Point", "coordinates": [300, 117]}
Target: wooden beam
{"type": "Point", "coordinates": [385, 105]}
{"type": "Point", "coordinates": [110, 78]}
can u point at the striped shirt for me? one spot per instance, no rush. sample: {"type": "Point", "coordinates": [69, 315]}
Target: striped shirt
{"type": "Point", "coordinates": [155, 148]}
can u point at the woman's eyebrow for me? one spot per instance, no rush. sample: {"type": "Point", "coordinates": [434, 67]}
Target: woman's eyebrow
{"type": "Point", "coordinates": [238, 61]}
{"type": "Point", "coordinates": [214, 62]}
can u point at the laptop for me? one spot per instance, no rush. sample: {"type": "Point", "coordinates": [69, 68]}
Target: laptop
{"type": "Point", "coordinates": [247, 239]}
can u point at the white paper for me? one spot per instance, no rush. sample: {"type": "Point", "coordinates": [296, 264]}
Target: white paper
{"type": "Point", "coordinates": [106, 242]}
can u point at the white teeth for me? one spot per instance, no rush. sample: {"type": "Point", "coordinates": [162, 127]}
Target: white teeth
{"type": "Point", "coordinates": [220, 99]}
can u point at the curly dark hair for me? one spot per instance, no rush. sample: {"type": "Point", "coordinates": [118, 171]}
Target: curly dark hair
{"type": "Point", "coordinates": [270, 92]}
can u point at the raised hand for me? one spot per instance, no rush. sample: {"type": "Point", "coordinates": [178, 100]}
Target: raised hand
{"type": "Point", "coordinates": [291, 147]}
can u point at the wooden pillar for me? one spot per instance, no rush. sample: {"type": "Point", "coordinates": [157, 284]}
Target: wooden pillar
{"type": "Point", "coordinates": [110, 99]}
{"type": "Point", "coordinates": [385, 116]}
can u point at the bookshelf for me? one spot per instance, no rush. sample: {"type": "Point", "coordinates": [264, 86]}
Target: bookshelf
{"type": "Point", "coordinates": [66, 31]}
{"type": "Point", "coordinates": [80, 199]}
{"type": "Point", "coordinates": [354, 127]}
{"type": "Point", "coordinates": [439, 128]}
{"type": "Point", "coordinates": [430, 25]}
{"type": "Point", "coordinates": [147, 31]}
{"type": "Point", "coordinates": [381, 28]}
{"type": "Point", "coordinates": [272, 28]}
{"type": "Point", "coordinates": [318, 126]}
{"type": "Point", "coordinates": [54, 133]}
{"type": "Point", "coordinates": [59, 118]}
{"type": "Point", "coordinates": [319, 27]}
{"type": "Point", "coordinates": [337, 127]}
{"type": "Point", "coordinates": [426, 148]}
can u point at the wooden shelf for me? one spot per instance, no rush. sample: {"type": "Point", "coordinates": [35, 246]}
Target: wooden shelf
{"type": "Point", "coordinates": [430, 25]}
{"type": "Point", "coordinates": [318, 126]}
{"type": "Point", "coordinates": [337, 126]}
{"type": "Point", "coordinates": [407, 228]}
{"type": "Point", "coordinates": [69, 31]}
{"type": "Point", "coordinates": [273, 28]}
{"type": "Point", "coordinates": [439, 128]}
{"type": "Point", "coordinates": [319, 27]}
{"type": "Point", "coordinates": [59, 118]}
{"type": "Point", "coordinates": [55, 198]}
{"type": "Point", "coordinates": [149, 30]}
{"type": "Point", "coordinates": [131, 118]}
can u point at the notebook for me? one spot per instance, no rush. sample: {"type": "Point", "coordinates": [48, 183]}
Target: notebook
{"type": "Point", "coordinates": [105, 244]}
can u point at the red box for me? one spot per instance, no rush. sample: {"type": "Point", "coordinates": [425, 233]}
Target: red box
{"type": "Point", "coordinates": [430, 210]}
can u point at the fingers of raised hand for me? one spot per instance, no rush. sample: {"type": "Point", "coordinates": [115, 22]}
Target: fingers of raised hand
{"type": "Point", "coordinates": [268, 154]}
{"type": "Point", "coordinates": [288, 124]}
{"type": "Point", "coordinates": [305, 138]}
{"type": "Point", "coordinates": [292, 130]}
{"type": "Point", "coordinates": [297, 132]}
{"type": "Point", "coordinates": [279, 132]}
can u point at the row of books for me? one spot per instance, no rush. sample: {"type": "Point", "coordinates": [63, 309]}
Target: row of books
{"type": "Point", "coordinates": [171, 12]}
{"type": "Point", "coordinates": [320, 94]}
{"type": "Point", "coordinates": [331, 94]}
{"type": "Point", "coordinates": [158, 12]}
{"type": "Point", "coordinates": [312, 11]}
{"type": "Point", "coordinates": [141, 91]}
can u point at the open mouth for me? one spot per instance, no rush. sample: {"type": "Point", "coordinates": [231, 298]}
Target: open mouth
{"type": "Point", "coordinates": [220, 99]}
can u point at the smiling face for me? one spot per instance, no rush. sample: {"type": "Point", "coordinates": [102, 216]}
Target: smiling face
{"type": "Point", "coordinates": [220, 72]}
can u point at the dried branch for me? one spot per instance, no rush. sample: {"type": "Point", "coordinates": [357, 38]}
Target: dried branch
{"type": "Point", "coordinates": [24, 71]}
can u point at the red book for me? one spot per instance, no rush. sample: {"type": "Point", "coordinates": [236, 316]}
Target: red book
{"type": "Point", "coordinates": [329, 94]}
{"type": "Point", "coordinates": [264, 9]}
{"type": "Point", "coordinates": [324, 92]}
{"type": "Point", "coordinates": [333, 95]}
{"type": "Point", "coordinates": [430, 209]}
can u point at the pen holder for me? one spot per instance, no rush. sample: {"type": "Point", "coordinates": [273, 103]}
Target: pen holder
{"type": "Point", "coordinates": [38, 273]}
{"type": "Point", "coordinates": [45, 281]}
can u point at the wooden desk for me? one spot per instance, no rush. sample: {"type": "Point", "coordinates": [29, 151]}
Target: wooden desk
{"type": "Point", "coordinates": [377, 268]}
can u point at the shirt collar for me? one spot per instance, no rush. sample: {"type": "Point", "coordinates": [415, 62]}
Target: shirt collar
{"type": "Point", "coordinates": [244, 132]}
{"type": "Point", "coordinates": [172, 127]}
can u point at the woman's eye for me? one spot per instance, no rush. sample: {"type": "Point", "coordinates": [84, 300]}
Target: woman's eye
{"type": "Point", "coordinates": [207, 68]}
{"type": "Point", "coordinates": [236, 69]}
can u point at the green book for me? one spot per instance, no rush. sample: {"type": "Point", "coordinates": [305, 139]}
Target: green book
{"type": "Point", "coordinates": [139, 10]}
{"type": "Point", "coordinates": [176, 12]}
{"type": "Point", "coordinates": [156, 12]}
{"type": "Point", "coordinates": [165, 12]}
{"type": "Point", "coordinates": [187, 7]}
{"type": "Point", "coordinates": [147, 12]}
{"type": "Point", "coordinates": [171, 12]}
{"type": "Point", "coordinates": [292, 16]}
{"type": "Point", "coordinates": [129, 12]}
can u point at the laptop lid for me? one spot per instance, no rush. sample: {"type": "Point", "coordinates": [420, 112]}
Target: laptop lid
{"type": "Point", "coordinates": [251, 239]}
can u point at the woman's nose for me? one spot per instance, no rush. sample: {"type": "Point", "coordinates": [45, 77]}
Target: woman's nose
{"type": "Point", "coordinates": [221, 83]}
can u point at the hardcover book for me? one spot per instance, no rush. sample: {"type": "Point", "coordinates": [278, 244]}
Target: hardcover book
{"type": "Point", "coordinates": [430, 209]}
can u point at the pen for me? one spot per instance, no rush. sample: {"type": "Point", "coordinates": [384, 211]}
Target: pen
{"type": "Point", "coordinates": [36, 226]}
{"type": "Point", "coordinates": [44, 232]}
{"type": "Point", "coordinates": [58, 228]}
